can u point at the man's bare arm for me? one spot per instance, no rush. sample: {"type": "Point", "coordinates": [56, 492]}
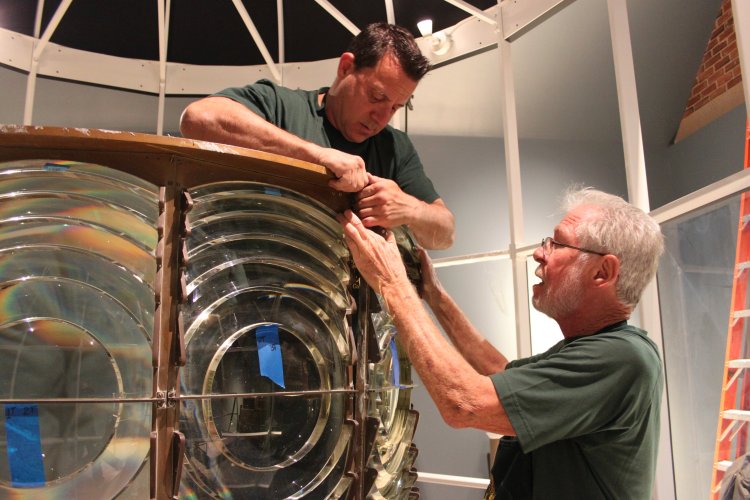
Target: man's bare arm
{"type": "Point", "coordinates": [464, 397]}
{"type": "Point", "coordinates": [383, 203]}
{"type": "Point", "coordinates": [472, 345]}
{"type": "Point", "coordinates": [220, 119]}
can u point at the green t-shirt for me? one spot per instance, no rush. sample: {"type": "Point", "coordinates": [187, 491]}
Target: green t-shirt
{"type": "Point", "coordinates": [389, 154]}
{"type": "Point", "coordinates": [587, 412]}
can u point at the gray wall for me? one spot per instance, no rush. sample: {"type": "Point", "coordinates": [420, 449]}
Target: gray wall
{"type": "Point", "coordinates": [469, 173]}
{"type": "Point", "coordinates": [702, 158]}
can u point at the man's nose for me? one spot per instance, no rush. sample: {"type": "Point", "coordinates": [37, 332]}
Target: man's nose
{"type": "Point", "coordinates": [539, 254]}
{"type": "Point", "coordinates": [382, 114]}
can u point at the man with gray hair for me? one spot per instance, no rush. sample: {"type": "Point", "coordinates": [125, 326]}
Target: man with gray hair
{"type": "Point", "coordinates": [580, 420]}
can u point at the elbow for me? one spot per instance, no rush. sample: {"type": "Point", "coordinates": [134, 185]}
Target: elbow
{"type": "Point", "coordinates": [450, 237]}
{"type": "Point", "coordinates": [449, 234]}
{"type": "Point", "coordinates": [193, 121]}
{"type": "Point", "coordinates": [458, 414]}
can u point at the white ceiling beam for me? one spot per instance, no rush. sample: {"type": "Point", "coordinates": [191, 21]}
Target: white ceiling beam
{"type": "Point", "coordinates": [38, 18]}
{"type": "Point", "coordinates": [280, 30]}
{"type": "Point", "coordinates": [509, 116]}
{"type": "Point", "coordinates": [28, 109]}
{"type": "Point", "coordinates": [257, 39]}
{"type": "Point", "coordinates": [479, 14]}
{"type": "Point", "coordinates": [520, 17]}
{"type": "Point", "coordinates": [648, 311]}
{"type": "Point", "coordinates": [390, 14]}
{"type": "Point", "coordinates": [163, 19]}
{"type": "Point", "coordinates": [341, 18]}
{"type": "Point", "coordinates": [627, 98]}
{"type": "Point", "coordinates": [51, 27]}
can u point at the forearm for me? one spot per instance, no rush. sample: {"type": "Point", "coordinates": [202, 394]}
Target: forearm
{"type": "Point", "coordinates": [472, 345]}
{"type": "Point", "coordinates": [218, 119]}
{"type": "Point", "coordinates": [464, 397]}
{"type": "Point", "coordinates": [433, 225]}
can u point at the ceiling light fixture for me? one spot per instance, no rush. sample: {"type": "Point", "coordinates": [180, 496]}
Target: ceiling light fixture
{"type": "Point", "coordinates": [440, 42]}
{"type": "Point", "coordinates": [425, 27]}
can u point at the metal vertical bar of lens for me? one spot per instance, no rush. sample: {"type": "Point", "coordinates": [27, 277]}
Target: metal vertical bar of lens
{"type": "Point", "coordinates": [360, 410]}
{"type": "Point", "coordinates": [165, 416]}
{"type": "Point", "coordinates": [635, 169]}
{"type": "Point", "coordinates": [36, 54]}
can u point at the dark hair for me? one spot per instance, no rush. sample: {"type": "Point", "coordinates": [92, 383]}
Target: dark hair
{"type": "Point", "coordinates": [378, 39]}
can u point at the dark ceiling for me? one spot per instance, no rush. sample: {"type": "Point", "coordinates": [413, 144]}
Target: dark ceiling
{"type": "Point", "coordinates": [211, 32]}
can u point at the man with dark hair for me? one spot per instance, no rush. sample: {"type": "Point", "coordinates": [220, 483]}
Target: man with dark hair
{"type": "Point", "coordinates": [585, 413]}
{"type": "Point", "coordinates": [344, 128]}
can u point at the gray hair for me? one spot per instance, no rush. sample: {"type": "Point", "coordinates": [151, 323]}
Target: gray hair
{"type": "Point", "coordinates": [622, 230]}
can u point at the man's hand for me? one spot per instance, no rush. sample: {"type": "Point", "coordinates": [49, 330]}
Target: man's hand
{"type": "Point", "coordinates": [377, 258]}
{"type": "Point", "coordinates": [431, 289]}
{"type": "Point", "coordinates": [382, 203]}
{"type": "Point", "coordinates": [349, 170]}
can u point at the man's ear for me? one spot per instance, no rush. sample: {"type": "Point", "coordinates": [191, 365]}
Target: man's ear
{"type": "Point", "coordinates": [608, 271]}
{"type": "Point", "coordinates": [346, 65]}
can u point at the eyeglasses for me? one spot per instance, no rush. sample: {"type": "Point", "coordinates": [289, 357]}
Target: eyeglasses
{"type": "Point", "coordinates": [548, 245]}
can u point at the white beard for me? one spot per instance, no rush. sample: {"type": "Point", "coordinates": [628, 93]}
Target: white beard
{"type": "Point", "coordinates": [562, 299]}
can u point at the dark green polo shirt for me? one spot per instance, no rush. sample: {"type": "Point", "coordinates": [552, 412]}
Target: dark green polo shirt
{"type": "Point", "coordinates": [389, 154]}
{"type": "Point", "coordinates": [587, 411]}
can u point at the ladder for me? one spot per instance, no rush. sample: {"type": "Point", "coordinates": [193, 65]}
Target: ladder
{"type": "Point", "coordinates": [732, 433]}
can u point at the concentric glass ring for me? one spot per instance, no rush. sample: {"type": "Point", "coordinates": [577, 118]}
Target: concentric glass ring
{"type": "Point", "coordinates": [266, 386]}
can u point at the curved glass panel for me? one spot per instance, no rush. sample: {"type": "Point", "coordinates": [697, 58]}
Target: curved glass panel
{"type": "Point", "coordinates": [217, 252]}
{"type": "Point", "coordinates": [109, 246]}
{"type": "Point", "coordinates": [389, 400]}
{"type": "Point", "coordinates": [68, 210]}
{"type": "Point", "coordinates": [389, 394]}
{"type": "Point", "coordinates": [265, 401]}
{"type": "Point", "coordinates": [101, 185]}
{"type": "Point", "coordinates": [264, 223]}
{"type": "Point", "coordinates": [76, 315]}
{"type": "Point", "coordinates": [221, 190]}
{"type": "Point", "coordinates": [246, 272]}
{"type": "Point", "coordinates": [116, 282]}
{"type": "Point", "coordinates": [267, 202]}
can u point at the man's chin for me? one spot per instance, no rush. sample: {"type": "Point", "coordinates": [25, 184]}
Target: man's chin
{"type": "Point", "coordinates": [356, 138]}
{"type": "Point", "coordinates": [536, 302]}
{"type": "Point", "coordinates": [540, 306]}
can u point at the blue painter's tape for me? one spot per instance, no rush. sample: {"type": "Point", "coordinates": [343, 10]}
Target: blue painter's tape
{"type": "Point", "coordinates": [269, 353]}
{"type": "Point", "coordinates": [56, 167]}
{"type": "Point", "coordinates": [396, 374]}
{"type": "Point", "coordinates": [272, 191]}
{"type": "Point", "coordinates": [24, 445]}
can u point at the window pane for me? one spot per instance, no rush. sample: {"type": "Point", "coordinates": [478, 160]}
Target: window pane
{"type": "Point", "coordinates": [695, 286]}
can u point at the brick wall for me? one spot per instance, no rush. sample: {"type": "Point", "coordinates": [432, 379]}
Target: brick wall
{"type": "Point", "coordinates": [720, 69]}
